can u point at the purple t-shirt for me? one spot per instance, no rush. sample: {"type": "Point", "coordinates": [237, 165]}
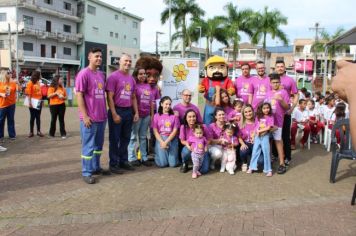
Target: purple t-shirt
{"type": "Point", "coordinates": [234, 114]}
{"type": "Point", "coordinates": [92, 85]}
{"type": "Point", "coordinates": [181, 109]}
{"type": "Point", "coordinates": [229, 141]}
{"type": "Point", "coordinates": [144, 99]}
{"type": "Point", "coordinates": [215, 131]}
{"type": "Point", "coordinates": [123, 86]}
{"type": "Point", "coordinates": [165, 124]}
{"type": "Point", "coordinates": [155, 95]}
{"type": "Point", "coordinates": [260, 87]}
{"type": "Point", "coordinates": [227, 110]}
{"type": "Point", "coordinates": [198, 144]}
{"type": "Point", "coordinates": [186, 132]}
{"type": "Point", "coordinates": [243, 88]}
{"type": "Point", "coordinates": [277, 109]}
{"type": "Point", "coordinates": [247, 132]}
{"type": "Point", "coordinates": [288, 84]}
{"type": "Point", "coordinates": [266, 121]}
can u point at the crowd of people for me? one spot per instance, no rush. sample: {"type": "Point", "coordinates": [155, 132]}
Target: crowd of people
{"type": "Point", "coordinates": [248, 132]}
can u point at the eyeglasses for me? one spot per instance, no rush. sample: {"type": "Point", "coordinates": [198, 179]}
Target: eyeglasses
{"type": "Point", "coordinates": [9, 72]}
{"type": "Point", "coordinates": [187, 95]}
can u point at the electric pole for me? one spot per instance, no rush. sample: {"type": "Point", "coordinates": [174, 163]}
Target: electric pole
{"type": "Point", "coordinates": [317, 29]}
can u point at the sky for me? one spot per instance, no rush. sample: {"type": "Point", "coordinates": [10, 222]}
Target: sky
{"type": "Point", "coordinates": [301, 14]}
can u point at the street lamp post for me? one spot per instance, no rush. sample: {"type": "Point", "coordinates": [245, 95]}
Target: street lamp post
{"type": "Point", "coordinates": [157, 33]}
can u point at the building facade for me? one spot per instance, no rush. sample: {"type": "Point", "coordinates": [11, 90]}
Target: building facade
{"type": "Point", "coordinates": [47, 35]}
{"type": "Point", "coordinates": [113, 29]}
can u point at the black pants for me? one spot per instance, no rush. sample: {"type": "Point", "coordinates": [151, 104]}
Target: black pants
{"type": "Point", "coordinates": [285, 138]}
{"type": "Point", "coordinates": [57, 111]}
{"type": "Point", "coordinates": [35, 115]}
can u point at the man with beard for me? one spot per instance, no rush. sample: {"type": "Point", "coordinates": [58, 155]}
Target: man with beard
{"type": "Point", "coordinates": [216, 70]}
{"type": "Point", "coordinates": [243, 84]}
{"type": "Point", "coordinates": [260, 85]}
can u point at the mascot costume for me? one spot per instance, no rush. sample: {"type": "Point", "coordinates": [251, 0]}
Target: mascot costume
{"type": "Point", "coordinates": [216, 71]}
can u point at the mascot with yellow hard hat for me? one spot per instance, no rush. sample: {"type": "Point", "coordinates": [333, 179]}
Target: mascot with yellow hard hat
{"type": "Point", "coordinates": [216, 71]}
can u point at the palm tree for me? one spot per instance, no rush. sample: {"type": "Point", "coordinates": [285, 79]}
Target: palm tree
{"type": "Point", "coordinates": [191, 36]}
{"type": "Point", "coordinates": [269, 22]}
{"type": "Point", "coordinates": [235, 22]}
{"type": "Point", "coordinates": [319, 46]}
{"type": "Point", "coordinates": [180, 10]}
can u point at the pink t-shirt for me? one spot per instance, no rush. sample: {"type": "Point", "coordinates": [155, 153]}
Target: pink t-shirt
{"type": "Point", "coordinates": [198, 144]}
{"type": "Point", "coordinates": [260, 87]}
{"type": "Point", "coordinates": [229, 141]}
{"type": "Point", "coordinates": [247, 132]}
{"type": "Point", "coordinates": [165, 124]}
{"type": "Point", "coordinates": [92, 85]}
{"type": "Point", "coordinates": [288, 84]}
{"type": "Point", "coordinates": [155, 95]}
{"type": "Point", "coordinates": [215, 131]}
{"type": "Point", "coordinates": [227, 110]}
{"type": "Point", "coordinates": [186, 132]}
{"type": "Point", "coordinates": [243, 88]}
{"type": "Point", "coordinates": [266, 121]}
{"type": "Point", "coordinates": [123, 86]}
{"type": "Point", "coordinates": [144, 99]}
{"type": "Point", "coordinates": [181, 109]}
{"type": "Point", "coordinates": [277, 109]}
{"type": "Point", "coordinates": [234, 114]}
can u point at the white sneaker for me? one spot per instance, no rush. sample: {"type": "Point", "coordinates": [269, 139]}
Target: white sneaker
{"type": "Point", "coordinates": [222, 170]}
{"type": "Point", "coordinates": [244, 168]}
{"type": "Point", "coordinates": [231, 172]}
{"type": "Point", "coordinates": [3, 149]}
{"type": "Point", "coordinates": [64, 137]}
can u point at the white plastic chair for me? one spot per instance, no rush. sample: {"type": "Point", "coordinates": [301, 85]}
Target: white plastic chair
{"type": "Point", "coordinates": [327, 136]}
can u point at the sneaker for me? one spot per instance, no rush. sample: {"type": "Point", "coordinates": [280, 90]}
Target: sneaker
{"type": "Point", "coordinates": [281, 170]}
{"type": "Point", "coordinates": [286, 162]}
{"type": "Point", "coordinates": [249, 171]}
{"type": "Point", "coordinates": [198, 173]}
{"type": "Point", "coordinates": [269, 174]}
{"type": "Point", "coordinates": [39, 133]}
{"type": "Point", "coordinates": [135, 163]}
{"type": "Point", "coordinates": [89, 179]}
{"type": "Point", "coordinates": [64, 137]}
{"type": "Point", "coordinates": [222, 170]}
{"type": "Point", "coordinates": [3, 149]}
{"type": "Point", "coordinates": [12, 138]}
{"type": "Point", "coordinates": [30, 135]}
{"type": "Point", "coordinates": [146, 163]}
{"type": "Point", "coordinates": [244, 168]}
{"type": "Point", "coordinates": [116, 170]}
{"type": "Point", "coordinates": [101, 171]}
{"type": "Point", "coordinates": [231, 172]}
{"type": "Point", "coordinates": [126, 166]}
{"type": "Point", "coordinates": [184, 168]}
{"type": "Point", "coordinates": [194, 175]}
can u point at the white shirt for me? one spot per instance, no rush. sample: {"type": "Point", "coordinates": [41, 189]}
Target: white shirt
{"type": "Point", "coordinates": [327, 112]}
{"type": "Point", "coordinates": [300, 116]}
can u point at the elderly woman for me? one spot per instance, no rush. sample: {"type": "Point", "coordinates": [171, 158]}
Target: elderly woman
{"type": "Point", "coordinates": [8, 88]}
{"type": "Point", "coordinates": [216, 131]}
{"type": "Point", "coordinates": [186, 131]}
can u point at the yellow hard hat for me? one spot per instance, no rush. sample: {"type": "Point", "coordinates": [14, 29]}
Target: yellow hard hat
{"type": "Point", "coordinates": [215, 59]}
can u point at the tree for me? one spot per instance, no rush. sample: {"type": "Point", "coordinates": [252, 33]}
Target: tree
{"type": "Point", "coordinates": [235, 22]}
{"type": "Point", "coordinates": [191, 36]}
{"type": "Point", "coordinates": [269, 22]}
{"type": "Point", "coordinates": [180, 10]}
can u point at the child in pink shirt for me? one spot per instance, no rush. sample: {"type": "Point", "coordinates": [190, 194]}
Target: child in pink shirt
{"type": "Point", "coordinates": [229, 145]}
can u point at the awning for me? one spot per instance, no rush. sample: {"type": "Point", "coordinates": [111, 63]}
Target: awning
{"type": "Point", "coordinates": [348, 37]}
{"type": "Point", "coordinates": [239, 63]}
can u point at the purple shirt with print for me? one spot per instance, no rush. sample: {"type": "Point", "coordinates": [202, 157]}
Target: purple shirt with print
{"type": "Point", "coordinates": [144, 99]}
{"type": "Point", "coordinates": [277, 109]}
{"type": "Point", "coordinates": [243, 87]}
{"type": "Point", "coordinates": [289, 85]}
{"type": "Point", "coordinates": [266, 121]}
{"type": "Point", "coordinates": [215, 131]}
{"type": "Point", "coordinates": [260, 87]}
{"type": "Point", "coordinates": [185, 132]}
{"type": "Point", "coordinates": [165, 124]}
{"type": "Point", "coordinates": [92, 85]}
{"type": "Point", "coordinates": [247, 132]}
{"type": "Point", "coordinates": [181, 109]}
{"type": "Point", "coordinates": [229, 141]}
{"type": "Point", "coordinates": [123, 86]}
{"type": "Point", "coordinates": [198, 144]}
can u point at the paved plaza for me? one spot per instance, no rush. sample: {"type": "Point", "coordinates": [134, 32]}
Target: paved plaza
{"type": "Point", "coordinates": [42, 193]}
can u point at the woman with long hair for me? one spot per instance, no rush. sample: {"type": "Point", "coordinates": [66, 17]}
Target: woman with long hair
{"type": "Point", "coordinates": [33, 91]}
{"type": "Point", "coordinates": [57, 106]}
{"type": "Point", "coordinates": [8, 88]}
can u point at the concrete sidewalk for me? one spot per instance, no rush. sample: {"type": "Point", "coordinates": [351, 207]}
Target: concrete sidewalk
{"type": "Point", "coordinates": [42, 193]}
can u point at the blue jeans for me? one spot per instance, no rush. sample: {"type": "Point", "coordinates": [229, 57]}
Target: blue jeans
{"type": "Point", "coordinates": [9, 114]}
{"type": "Point", "coordinates": [119, 136]}
{"type": "Point", "coordinates": [140, 129]}
{"type": "Point", "coordinates": [167, 157]}
{"type": "Point", "coordinates": [261, 144]}
{"type": "Point", "coordinates": [245, 155]}
{"type": "Point", "coordinates": [186, 156]}
{"type": "Point", "coordinates": [208, 114]}
{"type": "Point", "coordinates": [92, 146]}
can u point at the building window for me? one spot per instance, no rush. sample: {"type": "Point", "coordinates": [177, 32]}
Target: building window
{"type": "Point", "coordinates": [48, 2]}
{"type": "Point", "coordinates": [3, 16]}
{"type": "Point", "coordinates": [279, 58]}
{"type": "Point", "coordinates": [135, 56]}
{"type": "Point", "coordinates": [116, 17]}
{"type": "Point", "coordinates": [135, 25]}
{"type": "Point", "coordinates": [91, 10]}
{"type": "Point", "coordinates": [116, 35]}
{"type": "Point", "coordinates": [124, 37]}
{"type": "Point", "coordinates": [111, 34]}
{"type": "Point", "coordinates": [67, 6]}
{"type": "Point", "coordinates": [67, 28]}
{"type": "Point", "coordinates": [110, 52]}
{"type": "Point", "coordinates": [28, 20]}
{"type": "Point", "coordinates": [134, 41]}
{"type": "Point", "coordinates": [124, 20]}
{"type": "Point", "coordinates": [27, 46]}
{"type": "Point", "coordinates": [95, 30]}
{"type": "Point", "coordinates": [67, 51]}
{"type": "Point", "coordinates": [2, 44]}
